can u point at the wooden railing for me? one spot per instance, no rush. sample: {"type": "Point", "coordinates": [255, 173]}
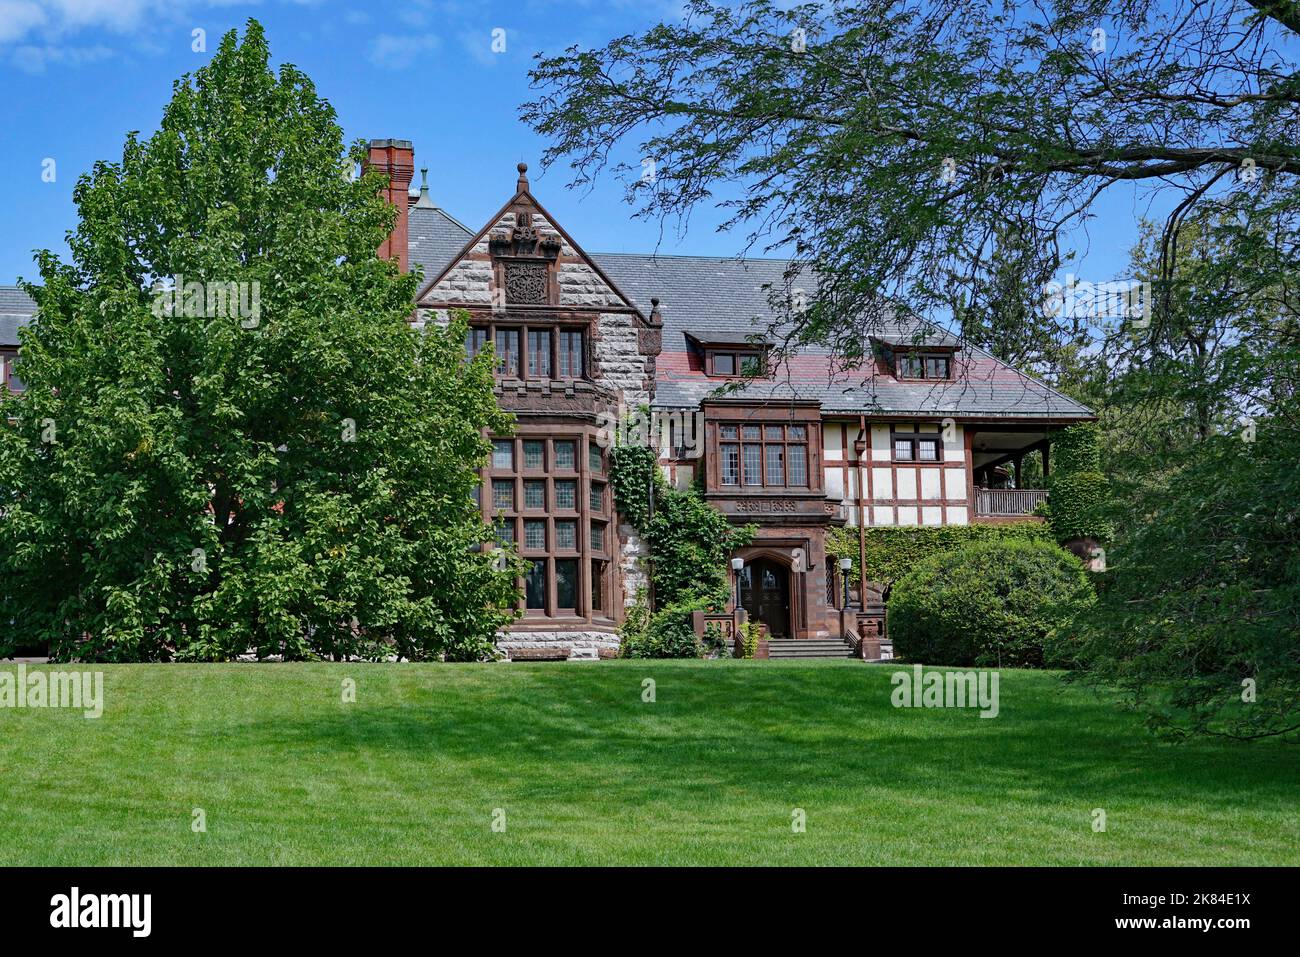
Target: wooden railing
{"type": "Point", "coordinates": [1008, 501]}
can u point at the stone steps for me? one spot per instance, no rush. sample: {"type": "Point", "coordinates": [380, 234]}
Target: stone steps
{"type": "Point", "coordinates": [808, 648]}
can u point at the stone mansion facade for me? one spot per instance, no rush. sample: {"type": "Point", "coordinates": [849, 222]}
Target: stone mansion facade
{"type": "Point", "coordinates": [931, 432]}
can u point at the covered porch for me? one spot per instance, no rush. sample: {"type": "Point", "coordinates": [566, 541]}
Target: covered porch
{"type": "Point", "coordinates": [1011, 465]}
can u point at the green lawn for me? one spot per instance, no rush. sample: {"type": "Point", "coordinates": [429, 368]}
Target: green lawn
{"type": "Point", "coordinates": [587, 773]}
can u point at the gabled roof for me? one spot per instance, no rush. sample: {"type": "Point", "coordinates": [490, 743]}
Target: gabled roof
{"type": "Point", "coordinates": [434, 237]}
{"type": "Point", "coordinates": [714, 300]}
{"type": "Point", "coordinates": [524, 199]}
{"type": "Point", "coordinates": [16, 309]}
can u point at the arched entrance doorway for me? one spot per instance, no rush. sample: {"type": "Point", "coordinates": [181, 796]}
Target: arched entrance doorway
{"type": "Point", "coordinates": [765, 595]}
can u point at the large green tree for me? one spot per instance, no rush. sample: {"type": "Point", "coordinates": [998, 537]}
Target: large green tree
{"type": "Point", "coordinates": [289, 471]}
{"type": "Point", "coordinates": [890, 143]}
{"type": "Point", "coordinates": [1200, 614]}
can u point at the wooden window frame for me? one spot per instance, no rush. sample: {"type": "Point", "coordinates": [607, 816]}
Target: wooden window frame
{"type": "Point", "coordinates": [7, 359]}
{"type": "Point", "coordinates": [914, 439]}
{"type": "Point", "coordinates": [923, 356]}
{"type": "Point", "coordinates": [523, 329]}
{"type": "Point", "coordinates": [763, 442]}
{"type": "Point", "coordinates": [738, 357]}
{"type": "Point", "coordinates": [582, 515]}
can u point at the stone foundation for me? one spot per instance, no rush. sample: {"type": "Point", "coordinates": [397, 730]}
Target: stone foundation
{"type": "Point", "coordinates": [583, 645]}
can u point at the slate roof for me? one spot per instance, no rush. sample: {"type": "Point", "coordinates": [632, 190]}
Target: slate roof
{"type": "Point", "coordinates": [433, 238]}
{"type": "Point", "coordinates": [725, 300]}
{"type": "Point", "coordinates": [16, 308]}
{"type": "Point", "coordinates": [712, 299]}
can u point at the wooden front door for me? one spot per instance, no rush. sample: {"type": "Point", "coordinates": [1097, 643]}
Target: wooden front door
{"type": "Point", "coordinates": [765, 595]}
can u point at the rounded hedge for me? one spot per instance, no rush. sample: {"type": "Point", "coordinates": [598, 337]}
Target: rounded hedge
{"type": "Point", "coordinates": [986, 604]}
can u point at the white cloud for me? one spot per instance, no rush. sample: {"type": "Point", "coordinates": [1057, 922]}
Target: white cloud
{"type": "Point", "coordinates": [399, 52]}
{"type": "Point", "coordinates": [58, 18]}
{"type": "Point", "coordinates": [37, 33]}
{"type": "Point", "coordinates": [117, 15]}
{"type": "Point", "coordinates": [17, 18]}
{"type": "Point", "coordinates": [34, 59]}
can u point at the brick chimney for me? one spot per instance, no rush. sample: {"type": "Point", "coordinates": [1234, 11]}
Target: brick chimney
{"type": "Point", "coordinates": [395, 159]}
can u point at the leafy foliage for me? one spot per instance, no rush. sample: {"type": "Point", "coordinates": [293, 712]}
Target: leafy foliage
{"type": "Point", "coordinates": [750, 635]}
{"type": "Point", "coordinates": [892, 551]}
{"type": "Point", "coordinates": [690, 543]}
{"type": "Point", "coordinates": [1201, 433]}
{"type": "Point", "coordinates": [1200, 612]}
{"type": "Point", "coordinates": [926, 153]}
{"type": "Point", "coordinates": [633, 471]}
{"type": "Point", "coordinates": [993, 603]}
{"type": "Point", "coordinates": [193, 484]}
{"type": "Point", "coordinates": [667, 633]}
{"type": "Point", "coordinates": [1077, 489]}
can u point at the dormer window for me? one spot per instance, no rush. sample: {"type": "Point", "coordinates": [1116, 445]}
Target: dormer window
{"type": "Point", "coordinates": [735, 362]}
{"type": "Point", "coordinates": [923, 365]}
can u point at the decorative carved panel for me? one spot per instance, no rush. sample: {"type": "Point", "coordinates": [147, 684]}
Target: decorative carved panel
{"type": "Point", "coordinates": [526, 283]}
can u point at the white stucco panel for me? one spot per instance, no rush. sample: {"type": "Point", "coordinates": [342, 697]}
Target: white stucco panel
{"type": "Point", "coordinates": [906, 485]}
{"type": "Point", "coordinates": [880, 451]}
{"type": "Point", "coordinates": [882, 484]}
{"type": "Point", "coordinates": [930, 484]}
{"type": "Point", "coordinates": [954, 483]}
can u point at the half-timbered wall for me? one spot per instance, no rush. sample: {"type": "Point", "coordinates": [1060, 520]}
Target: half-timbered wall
{"type": "Point", "coordinates": [878, 486]}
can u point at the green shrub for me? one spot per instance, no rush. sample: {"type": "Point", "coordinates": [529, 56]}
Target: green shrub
{"type": "Point", "coordinates": [689, 542]}
{"type": "Point", "coordinates": [663, 634]}
{"type": "Point", "coordinates": [892, 551]}
{"type": "Point", "coordinates": [1077, 489]}
{"type": "Point", "coordinates": [715, 642]}
{"type": "Point", "coordinates": [987, 604]}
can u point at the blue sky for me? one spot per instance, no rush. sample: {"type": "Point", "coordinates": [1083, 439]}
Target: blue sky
{"type": "Point", "coordinates": [75, 75]}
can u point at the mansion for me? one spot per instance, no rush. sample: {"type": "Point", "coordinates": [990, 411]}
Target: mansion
{"type": "Point", "coordinates": [931, 431]}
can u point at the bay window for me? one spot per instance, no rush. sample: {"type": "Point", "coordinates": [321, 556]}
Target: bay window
{"type": "Point", "coordinates": [772, 456]}
{"type": "Point", "coordinates": [559, 518]}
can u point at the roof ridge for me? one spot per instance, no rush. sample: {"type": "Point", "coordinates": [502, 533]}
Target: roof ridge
{"type": "Point", "coordinates": [446, 215]}
{"type": "Point", "coordinates": [657, 255]}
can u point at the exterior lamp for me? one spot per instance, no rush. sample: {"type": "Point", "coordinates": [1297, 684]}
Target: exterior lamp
{"type": "Point", "coordinates": [846, 566]}
{"type": "Point", "coordinates": [736, 565]}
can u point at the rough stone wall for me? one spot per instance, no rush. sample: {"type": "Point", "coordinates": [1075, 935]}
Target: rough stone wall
{"type": "Point", "coordinates": [583, 643]}
{"type": "Point", "coordinates": [632, 552]}
{"type": "Point", "coordinates": [620, 365]}
{"type": "Point", "coordinates": [469, 281]}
